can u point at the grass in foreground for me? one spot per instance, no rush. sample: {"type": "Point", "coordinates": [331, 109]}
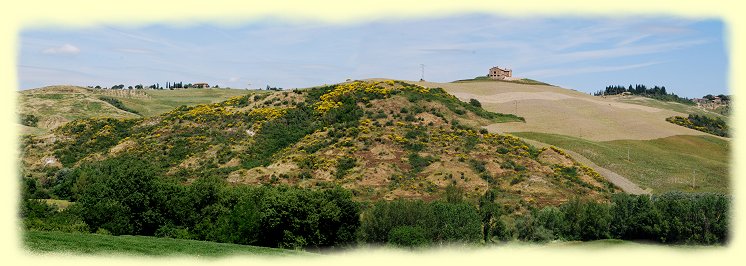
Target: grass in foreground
{"type": "Point", "coordinates": [78, 243]}
{"type": "Point", "coordinates": [676, 163]}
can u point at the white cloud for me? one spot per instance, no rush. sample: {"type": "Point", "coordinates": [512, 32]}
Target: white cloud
{"type": "Point", "coordinates": [233, 79]}
{"type": "Point", "coordinates": [64, 49]}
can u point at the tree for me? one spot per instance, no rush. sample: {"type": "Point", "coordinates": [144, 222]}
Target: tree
{"type": "Point", "coordinates": [117, 195]}
{"type": "Point", "coordinates": [490, 212]}
{"type": "Point", "coordinates": [475, 103]}
{"type": "Point", "coordinates": [724, 98]}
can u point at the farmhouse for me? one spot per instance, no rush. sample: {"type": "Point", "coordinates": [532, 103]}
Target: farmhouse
{"type": "Point", "coordinates": [500, 73]}
{"type": "Point", "coordinates": [201, 85]}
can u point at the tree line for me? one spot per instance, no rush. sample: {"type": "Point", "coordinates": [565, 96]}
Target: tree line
{"type": "Point", "coordinates": [126, 196]}
{"type": "Point", "coordinates": [655, 92]}
{"type": "Point", "coordinates": [156, 86]}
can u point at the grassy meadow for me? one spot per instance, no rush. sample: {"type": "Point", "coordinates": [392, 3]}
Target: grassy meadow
{"type": "Point", "coordinates": [676, 163]}
{"type": "Point", "coordinates": [161, 101]}
{"type": "Point", "coordinates": [79, 243]}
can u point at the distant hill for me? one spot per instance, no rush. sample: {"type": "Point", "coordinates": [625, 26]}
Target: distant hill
{"type": "Point", "coordinates": [56, 105]}
{"type": "Point", "coordinates": [517, 81]}
{"type": "Point", "coordinates": [380, 139]}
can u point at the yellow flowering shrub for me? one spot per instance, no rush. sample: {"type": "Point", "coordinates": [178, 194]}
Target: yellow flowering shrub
{"type": "Point", "coordinates": [268, 113]}
{"type": "Point", "coordinates": [330, 100]}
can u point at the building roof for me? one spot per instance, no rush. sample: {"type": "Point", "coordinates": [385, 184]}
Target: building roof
{"type": "Point", "coordinates": [503, 69]}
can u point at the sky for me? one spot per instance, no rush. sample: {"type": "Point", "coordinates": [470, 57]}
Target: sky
{"type": "Point", "coordinates": [688, 56]}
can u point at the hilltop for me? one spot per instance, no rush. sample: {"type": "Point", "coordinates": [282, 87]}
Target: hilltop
{"type": "Point", "coordinates": [379, 139]}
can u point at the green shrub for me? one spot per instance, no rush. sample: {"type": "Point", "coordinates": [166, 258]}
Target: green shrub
{"type": "Point", "coordinates": [408, 236]}
{"type": "Point", "coordinates": [344, 165]}
{"type": "Point", "coordinates": [475, 103]}
{"type": "Point", "coordinates": [442, 222]}
{"type": "Point", "coordinates": [29, 120]}
{"type": "Point", "coordinates": [118, 104]}
{"type": "Point", "coordinates": [418, 162]}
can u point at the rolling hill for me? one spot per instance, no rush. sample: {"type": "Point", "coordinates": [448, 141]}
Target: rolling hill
{"type": "Point", "coordinates": [379, 139]}
{"type": "Point", "coordinates": [663, 156]}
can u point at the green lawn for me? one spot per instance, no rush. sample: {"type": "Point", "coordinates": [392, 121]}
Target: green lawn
{"type": "Point", "coordinates": [77, 243]}
{"type": "Point", "coordinates": [676, 163]}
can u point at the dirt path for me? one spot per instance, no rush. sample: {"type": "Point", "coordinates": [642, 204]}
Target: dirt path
{"type": "Point", "coordinates": [620, 181]}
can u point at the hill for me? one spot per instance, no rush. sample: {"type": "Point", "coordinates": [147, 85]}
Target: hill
{"type": "Point", "coordinates": [604, 128]}
{"type": "Point", "coordinates": [56, 105]}
{"type": "Point", "coordinates": [551, 109]}
{"type": "Point", "coordinates": [379, 139]}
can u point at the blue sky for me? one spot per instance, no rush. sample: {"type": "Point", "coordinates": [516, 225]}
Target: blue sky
{"type": "Point", "coordinates": [583, 53]}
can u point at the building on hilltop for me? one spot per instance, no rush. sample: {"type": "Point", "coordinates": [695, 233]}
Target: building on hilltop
{"type": "Point", "coordinates": [201, 85]}
{"type": "Point", "coordinates": [500, 73]}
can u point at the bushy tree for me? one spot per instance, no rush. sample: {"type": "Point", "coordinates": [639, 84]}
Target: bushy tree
{"type": "Point", "coordinates": [634, 217]}
{"type": "Point", "coordinates": [475, 103]}
{"type": "Point", "coordinates": [117, 195]}
{"type": "Point", "coordinates": [408, 236]}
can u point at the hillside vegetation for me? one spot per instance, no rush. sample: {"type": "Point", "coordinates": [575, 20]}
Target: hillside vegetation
{"type": "Point", "coordinates": [715, 126]}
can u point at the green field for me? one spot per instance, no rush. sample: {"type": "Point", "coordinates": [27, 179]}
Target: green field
{"type": "Point", "coordinates": [77, 243]}
{"type": "Point", "coordinates": [676, 163]}
{"type": "Point", "coordinates": [161, 101]}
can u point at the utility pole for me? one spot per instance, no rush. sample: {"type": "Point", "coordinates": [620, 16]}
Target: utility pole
{"type": "Point", "coordinates": [422, 67]}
